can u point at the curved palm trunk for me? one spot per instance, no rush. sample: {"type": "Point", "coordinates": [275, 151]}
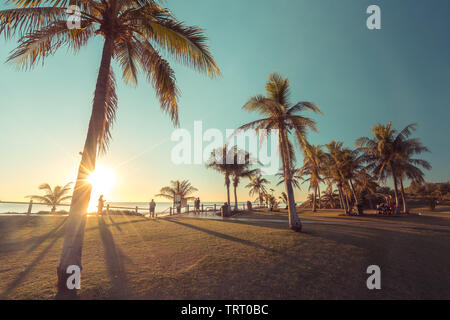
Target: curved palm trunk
{"type": "Point", "coordinates": [74, 230]}
{"type": "Point", "coordinates": [354, 192]}
{"type": "Point", "coordinates": [405, 205]}
{"type": "Point", "coordinates": [294, 221]}
{"type": "Point", "coordinates": [347, 203]}
{"type": "Point", "coordinates": [341, 199]}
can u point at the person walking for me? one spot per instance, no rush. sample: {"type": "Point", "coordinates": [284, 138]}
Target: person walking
{"type": "Point", "coordinates": [152, 208]}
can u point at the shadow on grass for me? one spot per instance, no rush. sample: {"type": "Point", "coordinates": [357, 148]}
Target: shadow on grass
{"type": "Point", "coordinates": [114, 262]}
{"type": "Point", "coordinates": [39, 240]}
{"type": "Point", "coordinates": [22, 275]}
{"type": "Point", "coordinates": [114, 223]}
{"type": "Point", "coordinates": [225, 236]}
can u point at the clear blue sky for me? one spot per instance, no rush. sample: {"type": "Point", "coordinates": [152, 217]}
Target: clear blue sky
{"type": "Point", "coordinates": [358, 77]}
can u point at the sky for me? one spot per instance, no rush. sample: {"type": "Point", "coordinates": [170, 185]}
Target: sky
{"type": "Point", "coordinates": [358, 77]}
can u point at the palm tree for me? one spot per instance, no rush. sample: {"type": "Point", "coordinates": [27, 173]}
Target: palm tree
{"type": "Point", "coordinates": [366, 182]}
{"type": "Point", "coordinates": [330, 197]}
{"type": "Point", "coordinates": [312, 166]}
{"type": "Point", "coordinates": [389, 153]}
{"type": "Point", "coordinates": [335, 171]}
{"type": "Point", "coordinates": [283, 197]}
{"type": "Point", "coordinates": [279, 114]}
{"type": "Point", "coordinates": [242, 171]}
{"type": "Point", "coordinates": [223, 160]}
{"type": "Point", "coordinates": [295, 174]}
{"type": "Point", "coordinates": [132, 33]}
{"type": "Point", "coordinates": [257, 187]}
{"type": "Point", "coordinates": [182, 188]}
{"type": "Point", "coordinates": [409, 166]}
{"type": "Point", "coordinates": [52, 197]}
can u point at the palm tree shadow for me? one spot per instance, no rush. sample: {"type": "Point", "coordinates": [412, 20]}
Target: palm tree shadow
{"type": "Point", "coordinates": [22, 275]}
{"type": "Point", "coordinates": [226, 237]}
{"type": "Point", "coordinates": [39, 240]}
{"type": "Point", "coordinates": [114, 223]}
{"type": "Point", "coordinates": [114, 262]}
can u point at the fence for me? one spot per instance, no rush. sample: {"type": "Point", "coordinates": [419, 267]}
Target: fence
{"type": "Point", "coordinates": [137, 210]}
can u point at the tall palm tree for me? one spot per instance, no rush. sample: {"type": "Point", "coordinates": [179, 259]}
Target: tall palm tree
{"type": "Point", "coordinates": [409, 166]}
{"type": "Point", "coordinates": [335, 171]}
{"type": "Point", "coordinates": [312, 166]}
{"type": "Point", "coordinates": [241, 171]}
{"type": "Point", "coordinates": [389, 153]}
{"type": "Point", "coordinates": [278, 113]}
{"type": "Point", "coordinates": [257, 187]}
{"type": "Point", "coordinates": [132, 32]}
{"type": "Point", "coordinates": [53, 197]}
{"type": "Point", "coordinates": [224, 160]}
{"type": "Point", "coordinates": [183, 188]}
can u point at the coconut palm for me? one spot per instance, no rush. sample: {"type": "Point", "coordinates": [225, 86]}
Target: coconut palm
{"type": "Point", "coordinates": [182, 188]}
{"type": "Point", "coordinates": [312, 166]}
{"type": "Point", "coordinates": [132, 32]}
{"type": "Point", "coordinates": [389, 154]}
{"type": "Point", "coordinates": [330, 197]}
{"type": "Point", "coordinates": [257, 186]}
{"type": "Point", "coordinates": [366, 183]}
{"type": "Point", "coordinates": [335, 172]}
{"type": "Point", "coordinates": [283, 197]}
{"type": "Point", "coordinates": [53, 197]}
{"type": "Point", "coordinates": [223, 160]}
{"type": "Point", "coordinates": [409, 166]}
{"type": "Point", "coordinates": [241, 171]}
{"type": "Point", "coordinates": [279, 114]}
{"type": "Point", "coordinates": [295, 174]}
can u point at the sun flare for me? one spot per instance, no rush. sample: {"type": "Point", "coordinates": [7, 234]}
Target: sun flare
{"type": "Point", "coordinates": [102, 180]}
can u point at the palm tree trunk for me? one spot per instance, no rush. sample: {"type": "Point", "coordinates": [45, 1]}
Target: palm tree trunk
{"type": "Point", "coordinates": [318, 190]}
{"type": "Point", "coordinates": [347, 203]}
{"type": "Point", "coordinates": [405, 205]}
{"type": "Point", "coordinates": [235, 198]}
{"type": "Point", "coordinates": [74, 230]}
{"type": "Point", "coordinates": [228, 194]}
{"type": "Point", "coordinates": [341, 199]}
{"type": "Point", "coordinates": [294, 221]}
{"type": "Point", "coordinates": [314, 200]}
{"type": "Point", "coordinates": [394, 176]}
{"type": "Point", "coordinates": [354, 192]}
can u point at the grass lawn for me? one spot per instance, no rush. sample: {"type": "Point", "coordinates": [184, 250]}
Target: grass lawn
{"type": "Point", "coordinates": [183, 258]}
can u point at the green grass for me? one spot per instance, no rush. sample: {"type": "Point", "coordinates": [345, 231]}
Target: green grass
{"type": "Point", "coordinates": [182, 258]}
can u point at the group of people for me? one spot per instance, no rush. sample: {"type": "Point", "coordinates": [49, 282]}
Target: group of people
{"type": "Point", "coordinates": [385, 208]}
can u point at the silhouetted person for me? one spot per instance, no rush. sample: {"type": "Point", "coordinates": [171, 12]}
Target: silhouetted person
{"type": "Point", "coordinates": [152, 208]}
{"type": "Point", "coordinates": [100, 205]}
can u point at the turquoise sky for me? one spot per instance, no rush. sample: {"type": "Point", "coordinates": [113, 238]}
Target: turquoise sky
{"type": "Point", "coordinates": [357, 76]}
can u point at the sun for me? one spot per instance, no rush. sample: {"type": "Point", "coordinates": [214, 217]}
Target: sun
{"type": "Point", "coordinates": [102, 180]}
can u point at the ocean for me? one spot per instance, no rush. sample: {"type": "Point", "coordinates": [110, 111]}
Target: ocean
{"type": "Point", "coordinates": [143, 207]}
